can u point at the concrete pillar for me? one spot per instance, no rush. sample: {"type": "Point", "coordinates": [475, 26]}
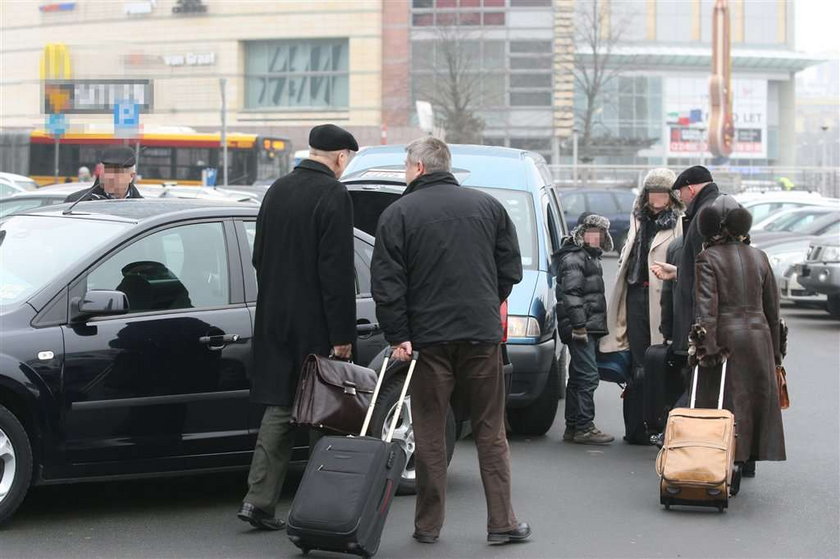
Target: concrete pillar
{"type": "Point", "coordinates": [787, 122]}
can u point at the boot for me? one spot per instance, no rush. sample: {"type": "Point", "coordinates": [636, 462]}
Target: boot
{"type": "Point", "coordinates": [592, 436]}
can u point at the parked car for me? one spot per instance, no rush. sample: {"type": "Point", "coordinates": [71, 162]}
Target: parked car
{"type": "Point", "coordinates": [55, 194]}
{"type": "Point", "coordinates": [820, 272]}
{"type": "Point", "coordinates": [126, 344]}
{"type": "Point", "coordinates": [521, 181]}
{"type": "Point", "coordinates": [614, 204]}
{"type": "Point", "coordinates": [823, 225]}
{"type": "Point", "coordinates": [794, 219]}
{"type": "Point", "coordinates": [762, 205]}
{"type": "Point", "coordinates": [11, 183]}
{"type": "Point", "coordinates": [783, 257]}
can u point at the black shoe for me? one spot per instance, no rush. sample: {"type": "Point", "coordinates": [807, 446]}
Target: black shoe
{"type": "Point", "coordinates": [748, 469]}
{"type": "Point", "coordinates": [425, 538]}
{"type": "Point", "coordinates": [259, 519]}
{"type": "Point", "coordinates": [519, 534]}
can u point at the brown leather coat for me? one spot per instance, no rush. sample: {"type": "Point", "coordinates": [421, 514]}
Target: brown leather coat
{"type": "Point", "coordinates": [737, 304]}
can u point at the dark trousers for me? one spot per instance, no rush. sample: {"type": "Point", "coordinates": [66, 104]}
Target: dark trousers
{"type": "Point", "coordinates": [583, 380]}
{"type": "Point", "coordinates": [477, 372]}
{"type": "Point", "coordinates": [638, 335]}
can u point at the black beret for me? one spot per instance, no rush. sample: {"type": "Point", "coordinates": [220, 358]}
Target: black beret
{"type": "Point", "coordinates": [693, 175]}
{"type": "Point", "coordinates": [118, 156]}
{"type": "Point", "coordinates": [329, 137]}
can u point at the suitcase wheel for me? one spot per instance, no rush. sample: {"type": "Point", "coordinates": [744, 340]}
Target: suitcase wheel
{"type": "Point", "coordinates": [736, 481]}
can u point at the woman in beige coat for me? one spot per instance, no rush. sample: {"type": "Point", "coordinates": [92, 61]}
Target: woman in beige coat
{"type": "Point", "coordinates": [633, 312]}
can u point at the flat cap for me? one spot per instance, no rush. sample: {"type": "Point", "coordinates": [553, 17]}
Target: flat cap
{"type": "Point", "coordinates": [329, 137]}
{"type": "Point", "coordinates": [693, 175]}
{"type": "Point", "coordinates": [118, 156]}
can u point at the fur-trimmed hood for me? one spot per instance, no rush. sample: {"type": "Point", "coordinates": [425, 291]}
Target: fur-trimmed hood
{"type": "Point", "coordinates": [658, 179]}
{"type": "Point", "coordinates": [589, 221]}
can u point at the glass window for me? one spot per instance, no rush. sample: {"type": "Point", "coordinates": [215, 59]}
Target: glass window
{"type": "Point", "coordinates": [14, 205]}
{"type": "Point", "coordinates": [530, 3]}
{"type": "Point", "coordinates": [629, 19]}
{"type": "Point", "coordinates": [520, 208]}
{"type": "Point", "coordinates": [625, 201]}
{"type": "Point", "coordinates": [673, 21]}
{"type": "Point", "coordinates": [573, 206]}
{"type": "Point", "coordinates": [189, 162]}
{"type": "Point", "coordinates": [536, 47]}
{"type": "Point", "coordinates": [494, 18]}
{"type": "Point", "coordinates": [601, 203]}
{"type": "Point", "coordinates": [530, 80]}
{"type": "Point", "coordinates": [57, 242]}
{"type": "Point", "coordinates": [531, 62]}
{"type": "Point", "coordinates": [295, 73]}
{"type": "Point", "coordinates": [178, 268]}
{"type": "Point", "coordinates": [530, 98]}
{"type": "Point", "coordinates": [760, 211]}
{"type": "Point", "coordinates": [760, 22]}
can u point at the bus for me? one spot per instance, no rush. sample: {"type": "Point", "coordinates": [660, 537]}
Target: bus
{"type": "Point", "coordinates": [173, 155]}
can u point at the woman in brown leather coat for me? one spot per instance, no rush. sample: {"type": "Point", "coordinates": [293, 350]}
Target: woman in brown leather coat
{"type": "Point", "coordinates": [737, 307]}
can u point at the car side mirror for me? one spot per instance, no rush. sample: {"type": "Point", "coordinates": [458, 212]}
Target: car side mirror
{"type": "Point", "coordinates": [102, 303]}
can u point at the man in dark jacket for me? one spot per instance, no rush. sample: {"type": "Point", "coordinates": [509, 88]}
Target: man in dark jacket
{"type": "Point", "coordinates": [445, 259]}
{"type": "Point", "coordinates": [697, 191]}
{"type": "Point", "coordinates": [117, 180]}
{"type": "Point", "coordinates": [582, 321]}
{"type": "Point", "coordinates": [303, 255]}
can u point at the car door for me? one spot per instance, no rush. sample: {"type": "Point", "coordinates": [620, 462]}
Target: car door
{"type": "Point", "coordinates": [168, 379]}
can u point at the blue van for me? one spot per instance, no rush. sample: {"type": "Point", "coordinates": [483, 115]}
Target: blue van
{"type": "Point", "coordinates": [521, 181]}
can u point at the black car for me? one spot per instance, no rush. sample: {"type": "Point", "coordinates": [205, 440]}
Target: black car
{"type": "Point", "coordinates": [125, 347]}
{"type": "Point", "coordinates": [614, 204]}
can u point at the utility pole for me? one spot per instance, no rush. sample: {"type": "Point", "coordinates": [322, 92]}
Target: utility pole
{"type": "Point", "coordinates": [223, 84]}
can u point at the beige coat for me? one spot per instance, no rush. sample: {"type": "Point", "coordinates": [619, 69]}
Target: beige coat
{"type": "Point", "coordinates": [617, 340]}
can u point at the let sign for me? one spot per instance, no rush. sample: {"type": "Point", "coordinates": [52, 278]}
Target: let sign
{"type": "Point", "coordinates": [95, 96]}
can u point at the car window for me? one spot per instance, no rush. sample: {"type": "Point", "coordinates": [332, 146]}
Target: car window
{"type": "Point", "coordinates": [554, 234]}
{"type": "Point", "coordinates": [6, 190]}
{"type": "Point", "coordinates": [625, 201]}
{"type": "Point", "coordinates": [26, 184]}
{"type": "Point", "coordinates": [178, 268]}
{"type": "Point", "coordinates": [601, 203]}
{"type": "Point", "coordinates": [799, 222]}
{"type": "Point", "coordinates": [520, 208]}
{"type": "Point", "coordinates": [14, 205]}
{"type": "Point", "coordinates": [760, 211]}
{"type": "Point", "coordinates": [573, 206]}
{"type": "Point", "coordinates": [832, 229]}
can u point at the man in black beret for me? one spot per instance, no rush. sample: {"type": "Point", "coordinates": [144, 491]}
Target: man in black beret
{"type": "Point", "coordinates": [117, 179]}
{"type": "Point", "coordinates": [697, 191]}
{"type": "Point", "coordinates": [306, 301]}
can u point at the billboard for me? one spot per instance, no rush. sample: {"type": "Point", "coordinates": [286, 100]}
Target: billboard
{"type": "Point", "coordinates": [686, 106]}
{"type": "Point", "coordinates": [95, 96]}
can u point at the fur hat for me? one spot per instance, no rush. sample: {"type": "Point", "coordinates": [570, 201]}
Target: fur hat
{"type": "Point", "coordinates": [590, 221]}
{"type": "Point", "coordinates": [724, 216]}
{"type": "Point", "coordinates": [658, 180]}
{"type": "Point", "coordinates": [693, 175]}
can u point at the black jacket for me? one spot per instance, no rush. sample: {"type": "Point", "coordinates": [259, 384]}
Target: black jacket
{"type": "Point", "coordinates": [580, 289]}
{"type": "Point", "coordinates": [303, 254]}
{"type": "Point", "coordinates": [666, 298]}
{"type": "Point", "coordinates": [692, 245]}
{"type": "Point", "coordinates": [98, 193]}
{"type": "Point", "coordinates": [445, 258]}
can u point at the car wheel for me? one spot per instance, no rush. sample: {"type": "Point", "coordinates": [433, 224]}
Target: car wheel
{"type": "Point", "coordinates": [833, 305]}
{"type": "Point", "coordinates": [383, 414]}
{"type": "Point", "coordinates": [15, 464]}
{"type": "Point", "coordinates": [537, 418]}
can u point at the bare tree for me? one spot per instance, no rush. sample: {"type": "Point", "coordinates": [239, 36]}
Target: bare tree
{"type": "Point", "coordinates": [595, 39]}
{"type": "Point", "coordinates": [454, 86]}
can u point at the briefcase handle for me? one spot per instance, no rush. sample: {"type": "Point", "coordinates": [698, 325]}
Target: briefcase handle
{"type": "Point", "coordinates": [414, 357]}
{"type": "Point", "coordinates": [694, 385]}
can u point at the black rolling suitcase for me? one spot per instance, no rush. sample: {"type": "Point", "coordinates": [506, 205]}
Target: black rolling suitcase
{"type": "Point", "coordinates": [659, 373]}
{"type": "Point", "coordinates": [347, 488]}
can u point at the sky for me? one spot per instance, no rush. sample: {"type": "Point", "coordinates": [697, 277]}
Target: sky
{"type": "Point", "coordinates": [816, 26]}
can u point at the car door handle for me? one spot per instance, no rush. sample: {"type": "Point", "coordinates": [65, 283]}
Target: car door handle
{"type": "Point", "coordinates": [367, 328]}
{"type": "Point", "coordinates": [220, 341]}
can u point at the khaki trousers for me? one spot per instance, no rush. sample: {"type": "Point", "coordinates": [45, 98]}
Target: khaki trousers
{"type": "Point", "coordinates": [476, 370]}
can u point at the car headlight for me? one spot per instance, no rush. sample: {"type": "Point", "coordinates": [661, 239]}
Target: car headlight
{"type": "Point", "coordinates": [780, 262]}
{"type": "Point", "coordinates": [830, 254]}
{"type": "Point", "coordinates": [523, 327]}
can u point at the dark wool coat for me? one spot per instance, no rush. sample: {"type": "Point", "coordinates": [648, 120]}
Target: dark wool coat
{"type": "Point", "coordinates": [692, 245]}
{"type": "Point", "coordinates": [580, 286]}
{"type": "Point", "coordinates": [737, 308]}
{"type": "Point", "coordinates": [446, 256]}
{"type": "Point", "coordinates": [303, 254]}
{"type": "Point", "coordinates": [96, 192]}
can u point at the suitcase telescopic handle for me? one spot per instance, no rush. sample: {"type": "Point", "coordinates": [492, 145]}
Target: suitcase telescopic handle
{"type": "Point", "coordinates": [414, 356]}
{"type": "Point", "coordinates": [694, 385]}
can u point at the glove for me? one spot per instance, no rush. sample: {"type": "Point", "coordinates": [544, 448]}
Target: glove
{"type": "Point", "coordinates": [580, 335]}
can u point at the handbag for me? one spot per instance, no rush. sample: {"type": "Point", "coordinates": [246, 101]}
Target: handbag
{"type": "Point", "coordinates": [332, 395]}
{"type": "Point", "coordinates": [781, 379]}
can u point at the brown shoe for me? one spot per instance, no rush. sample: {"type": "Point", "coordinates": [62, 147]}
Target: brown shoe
{"type": "Point", "coordinates": [593, 436]}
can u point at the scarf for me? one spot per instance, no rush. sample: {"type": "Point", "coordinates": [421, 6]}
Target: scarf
{"type": "Point", "coordinates": [649, 226]}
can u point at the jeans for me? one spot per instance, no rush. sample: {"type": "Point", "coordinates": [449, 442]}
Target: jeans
{"type": "Point", "coordinates": [583, 380]}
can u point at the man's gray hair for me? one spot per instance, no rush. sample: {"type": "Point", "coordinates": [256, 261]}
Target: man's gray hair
{"type": "Point", "coordinates": [431, 152]}
{"type": "Point", "coordinates": [660, 178]}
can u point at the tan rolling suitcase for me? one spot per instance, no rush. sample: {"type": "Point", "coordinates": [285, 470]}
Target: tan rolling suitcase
{"type": "Point", "coordinates": [696, 464]}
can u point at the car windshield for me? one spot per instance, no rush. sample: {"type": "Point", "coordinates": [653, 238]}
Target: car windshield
{"type": "Point", "coordinates": [35, 249]}
{"type": "Point", "coordinates": [794, 221]}
{"type": "Point", "coordinates": [520, 208]}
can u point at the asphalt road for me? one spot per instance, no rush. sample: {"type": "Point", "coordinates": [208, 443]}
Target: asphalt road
{"type": "Point", "coordinates": [581, 501]}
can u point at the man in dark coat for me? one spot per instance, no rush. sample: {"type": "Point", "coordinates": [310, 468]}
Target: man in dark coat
{"type": "Point", "coordinates": [117, 180]}
{"type": "Point", "coordinates": [697, 191]}
{"type": "Point", "coordinates": [445, 258]}
{"type": "Point", "coordinates": [303, 254]}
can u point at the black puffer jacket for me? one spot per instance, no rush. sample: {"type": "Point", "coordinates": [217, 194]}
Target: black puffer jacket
{"type": "Point", "coordinates": [445, 258]}
{"type": "Point", "coordinates": [580, 289]}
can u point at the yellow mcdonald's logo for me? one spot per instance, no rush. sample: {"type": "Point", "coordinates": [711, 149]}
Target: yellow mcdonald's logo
{"type": "Point", "coordinates": [55, 62]}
